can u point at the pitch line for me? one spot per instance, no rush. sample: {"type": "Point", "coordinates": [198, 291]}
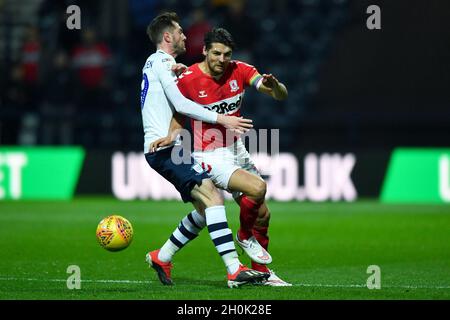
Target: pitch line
{"type": "Point", "coordinates": [365, 286]}
{"type": "Point", "coordinates": [313, 285]}
{"type": "Point", "coordinates": [82, 280]}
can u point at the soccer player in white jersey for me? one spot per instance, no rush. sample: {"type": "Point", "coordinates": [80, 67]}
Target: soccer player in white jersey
{"type": "Point", "coordinates": [218, 84]}
{"type": "Point", "coordinates": [160, 97]}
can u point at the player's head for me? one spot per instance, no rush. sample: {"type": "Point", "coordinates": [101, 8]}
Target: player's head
{"type": "Point", "coordinates": [218, 48]}
{"type": "Point", "coordinates": [165, 30]}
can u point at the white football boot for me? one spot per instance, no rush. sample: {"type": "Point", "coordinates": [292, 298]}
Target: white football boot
{"type": "Point", "coordinates": [254, 250]}
{"type": "Point", "coordinates": [275, 281]}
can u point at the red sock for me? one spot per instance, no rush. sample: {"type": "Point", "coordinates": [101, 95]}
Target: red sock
{"type": "Point", "coordinates": [261, 235]}
{"type": "Point", "coordinates": [248, 215]}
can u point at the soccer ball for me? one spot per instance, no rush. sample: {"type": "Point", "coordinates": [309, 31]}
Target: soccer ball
{"type": "Point", "coordinates": [114, 233]}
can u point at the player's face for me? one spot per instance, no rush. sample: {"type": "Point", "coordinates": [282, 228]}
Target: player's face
{"type": "Point", "coordinates": [218, 57]}
{"type": "Point", "coordinates": [178, 40]}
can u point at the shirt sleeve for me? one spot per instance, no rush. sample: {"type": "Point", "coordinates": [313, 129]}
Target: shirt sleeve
{"type": "Point", "coordinates": [251, 75]}
{"type": "Point", "coordinates": [162, 67]}
{"type": "Point", "coordinates": [181, 104]}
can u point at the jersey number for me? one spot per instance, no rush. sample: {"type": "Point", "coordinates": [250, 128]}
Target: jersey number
{"type": "Point", "coordinates": [144, 89]}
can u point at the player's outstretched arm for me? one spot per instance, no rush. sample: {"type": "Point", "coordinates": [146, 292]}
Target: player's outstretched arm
{"type": "Point", "coordinates": [272, 87]}
{"type": "Point", "coordinates": [196, 111]}
{"type": "Point", "coordinates": [236, 124]}
{"type": "Point", "coordinates": [188, 107]}
{"type": "Point", "coordinates": [192, 109]}
{"type": "Point", "coordinates": [163, 71]}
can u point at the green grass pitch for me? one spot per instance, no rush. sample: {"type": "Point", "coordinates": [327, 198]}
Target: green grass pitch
{"type": "Point", "coordinates": [323, 249]}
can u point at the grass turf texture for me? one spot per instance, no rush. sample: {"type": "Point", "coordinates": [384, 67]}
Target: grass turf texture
{"type": "Point", "coordinates": [323, 249]}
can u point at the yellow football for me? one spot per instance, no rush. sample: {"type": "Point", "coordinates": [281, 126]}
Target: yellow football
{"type": "Point", "coordinates": [114, 233]}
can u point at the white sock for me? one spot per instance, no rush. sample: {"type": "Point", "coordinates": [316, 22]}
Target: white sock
{"type": "Point", "coordinates": [221, 235]}
{"type": "Point", "coordinates": [188, 229]}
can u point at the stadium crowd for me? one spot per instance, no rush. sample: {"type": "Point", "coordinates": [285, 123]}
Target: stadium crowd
{"type": "Point", "coordinates": [62, 86]}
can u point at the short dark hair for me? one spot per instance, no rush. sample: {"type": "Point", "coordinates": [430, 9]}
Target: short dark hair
{"type": "Point", "coordinates": [219, 35]}
{"type": "Point", "coordinates": [160, 24]}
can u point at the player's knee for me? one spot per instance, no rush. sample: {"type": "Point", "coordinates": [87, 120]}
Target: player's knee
{"type": "Point", "coordinates": [212, 196]}
{"type": "Point", "coordinates": [215, 198]}
{"type": "Point", "coordinates": [200, 207]}
{"type": "Point", "coordinates": [259, 190]}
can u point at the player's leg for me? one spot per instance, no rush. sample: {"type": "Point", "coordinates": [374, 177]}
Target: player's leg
{"type": "Point", "coordinates": [257, 213]}
{"type": "Point", "coordinates": [209, 197]}
{"type": "Point", "coordinates": [221, 235]}
{"type": "Point", "coordinates": [253, 188]}
{"type": "Point", "coordinates": [227, 171]}
{"type": "Point", "coordinates": [188, 229]}
{"type": "Point", "coordinates": [260, 232]}
{"type": "Point", "coordinates": [181, 176]}
{"type": "Point", "coordinates": [194, 185]}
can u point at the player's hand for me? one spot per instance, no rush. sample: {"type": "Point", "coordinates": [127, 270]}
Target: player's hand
{"type": "Point", "coordinates": [270, 81]}
{"type": "Point", "coordinates": [273, 87]}
{"type": "Point", "coordinates": [236, 124]}
{"type": "Point", "coordinates": [179, 68]}
{"type": "Point", "coordinates": [161, 142]}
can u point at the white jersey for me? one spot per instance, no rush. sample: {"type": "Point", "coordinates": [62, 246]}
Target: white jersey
{"type": "Point", "coordinates": [157, 111]}
{"type": "Point", "coordinates": [160, 98]}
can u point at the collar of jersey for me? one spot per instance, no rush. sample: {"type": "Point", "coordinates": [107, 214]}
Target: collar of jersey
{"type": "Point", "coordinates": [162, 51]}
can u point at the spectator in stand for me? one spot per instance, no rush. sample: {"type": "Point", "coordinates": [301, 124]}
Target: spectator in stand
{"type": "Point", "coordinates": [57, 108]}
{"type": "Point", "coordinates": [242, 27]}
{"type": "Point", "coordinates": [13, 105]}
{"type": "Point", "coordinates": [90, 60]}
{"type": "Point", "coordinates": [30, 56]}
{"type": "Point", "coordinates": [219, 4]}
{"type": "Point", "coordinates": [30, 67]}
{"type": "Point", "coordinates": [92, 83]}
{"type": "Point", "coordinates": [141, 12]}
{"type": "Point", "coordinates": [194, 35]}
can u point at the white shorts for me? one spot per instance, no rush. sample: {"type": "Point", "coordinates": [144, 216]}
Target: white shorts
{"type": "Point", "coordinates": [222, 162]}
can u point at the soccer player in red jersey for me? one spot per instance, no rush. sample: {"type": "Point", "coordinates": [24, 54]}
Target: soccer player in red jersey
{"type": "Point", "coordinates": [160, 97]}
{"type": "Point", "coordinates": [218, 84]}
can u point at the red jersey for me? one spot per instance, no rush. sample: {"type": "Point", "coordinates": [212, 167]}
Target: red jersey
{"type": "Point", "coordinates": [90, 63]}
{"type": "Point", "coordinates": [31, 55]}
{"type": "Point", "coordinates": [223, 96]}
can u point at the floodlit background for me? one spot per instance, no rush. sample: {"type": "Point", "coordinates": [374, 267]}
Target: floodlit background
{"type": "Point", "coordinates": [363, 177]}
{"type": "Point", "coordinates": [351, 89]}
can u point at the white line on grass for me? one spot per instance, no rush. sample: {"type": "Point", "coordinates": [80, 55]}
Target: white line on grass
{"type": "Point", "coordinates": [365, 286]}
{"type": "Point", "coordinates": [315, 285]}
{"type": "Point", "coordinates": [82, 280]}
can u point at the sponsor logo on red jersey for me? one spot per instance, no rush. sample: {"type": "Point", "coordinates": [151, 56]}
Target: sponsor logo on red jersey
{"type": "Point", "coordinates": [223, 96]}
{"type": "Point", "coordinates": [226, 106]}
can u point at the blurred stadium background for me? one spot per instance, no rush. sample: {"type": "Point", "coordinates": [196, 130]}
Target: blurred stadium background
{"type": "Point", "coordinates": [352, 90]}
{"type": "Point", "coordinates": [368, 117]}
